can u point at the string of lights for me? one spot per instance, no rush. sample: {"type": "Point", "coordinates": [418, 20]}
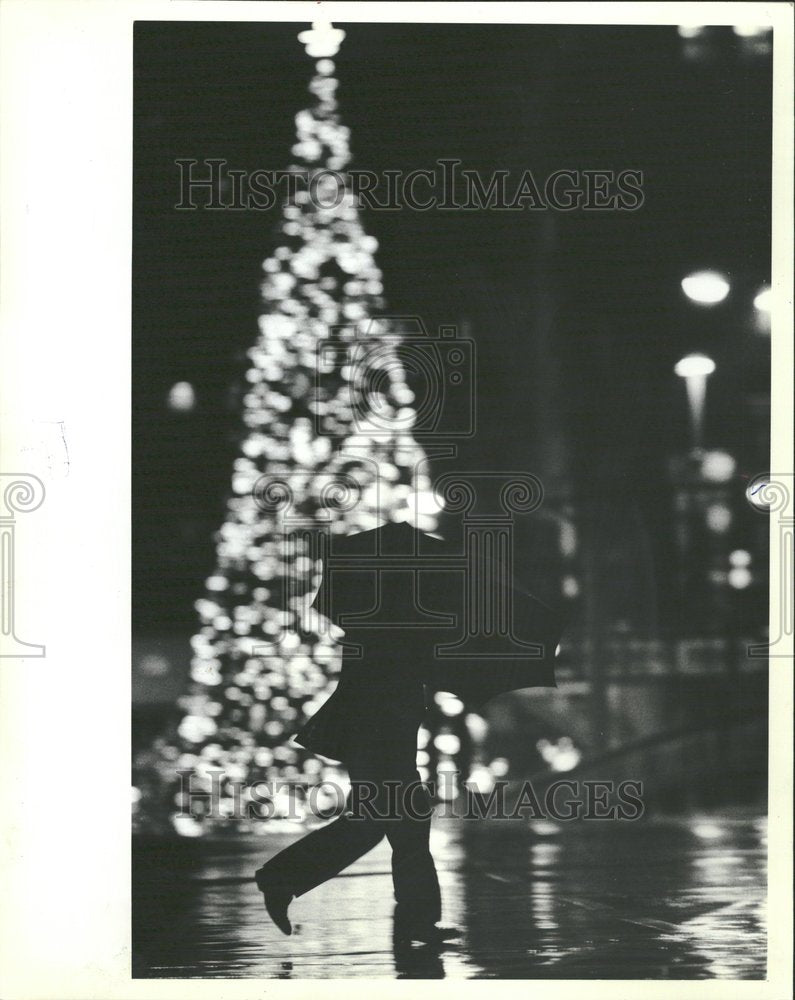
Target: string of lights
{"type": "Point", "coordinates": [313, 456]}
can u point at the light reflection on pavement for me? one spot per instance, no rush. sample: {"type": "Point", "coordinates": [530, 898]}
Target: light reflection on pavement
{"type": "Point", "coordinates": [653, 899]}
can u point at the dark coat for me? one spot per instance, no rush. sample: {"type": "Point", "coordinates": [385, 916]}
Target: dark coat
{"type": "Point", "coordinates": [399, 595]}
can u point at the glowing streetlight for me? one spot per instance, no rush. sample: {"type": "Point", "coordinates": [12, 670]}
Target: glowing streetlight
{"type": "Point", "coordinates": [740, 577]}
{"type": "Point", "coordinates": [707, 288]}
{"type": "Point", "coordinates": [694, 365]}
{"type": "Point", "coordinates": [762, 299]}
{"type": "Point", "coordinates": [718, 467]}
{"type": "Point", "coordinates": [763, 304]}
{"type": "Point", "coordinates": [750, 30]}
{"type": "Point", "coordinates": [695, 369]}
{"type": "Point", "coordinates": [181, 396]}
{"type": "Point", "coordinates": [323, 40]}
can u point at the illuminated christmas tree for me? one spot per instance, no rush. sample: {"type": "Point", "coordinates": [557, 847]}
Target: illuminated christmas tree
{"type": "Point", "coordinates": [327, 448]}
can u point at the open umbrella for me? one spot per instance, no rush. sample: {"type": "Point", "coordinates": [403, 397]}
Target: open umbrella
{"type": "Point", "coordinates": [453, 613]}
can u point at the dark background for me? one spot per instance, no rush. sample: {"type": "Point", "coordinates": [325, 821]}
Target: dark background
{"type": "Point", "coordinates": [578, 317]}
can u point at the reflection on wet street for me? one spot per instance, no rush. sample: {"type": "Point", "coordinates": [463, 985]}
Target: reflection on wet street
{"type": "Point", "coordinates": [653, 899]}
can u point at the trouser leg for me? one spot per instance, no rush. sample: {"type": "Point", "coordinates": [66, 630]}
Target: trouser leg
{"type": "Point", "coordinates": [402, 812]}
{"type": "Point", "coordinates": [324, 853]}
{"type": "Point", "coordinates": [415, 882]}
{"type": "Point", "coordinates": [403, 807]}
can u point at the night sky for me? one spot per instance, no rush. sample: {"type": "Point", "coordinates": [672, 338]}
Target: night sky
{"type": "Point", "coordinates": [601, 289]}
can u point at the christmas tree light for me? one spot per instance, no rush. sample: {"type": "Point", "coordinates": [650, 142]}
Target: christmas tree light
{"type": "Point", "coordinates": [327, 448]}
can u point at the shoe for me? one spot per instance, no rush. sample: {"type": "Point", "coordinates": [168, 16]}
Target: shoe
{"type": "Point", "coordinates": [277, 898]}
{"type": "Point", "coordinates": [426, 934]}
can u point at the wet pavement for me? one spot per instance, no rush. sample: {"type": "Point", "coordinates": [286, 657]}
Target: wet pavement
{"type": "Point", "coordinates": [651, 899]}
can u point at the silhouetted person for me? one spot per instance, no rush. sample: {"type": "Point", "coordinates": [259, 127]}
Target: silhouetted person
{"type": "Point", "coordinates": [396, 600]}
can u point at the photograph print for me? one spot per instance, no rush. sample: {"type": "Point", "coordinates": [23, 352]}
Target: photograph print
{"type": "Point", "coordinates": [451, 499]}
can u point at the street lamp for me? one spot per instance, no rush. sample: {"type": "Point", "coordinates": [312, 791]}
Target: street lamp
{"type": "Point", "coordinates": [323, 41]}
{"type": "Point", "coordinates": [762, 299]}
{"type": "Point", "coordinates": [181, 397]}
{"type": "Point", "coordinates": [707, 288]}
{"type": "Point", "coordinates": [695, 369]}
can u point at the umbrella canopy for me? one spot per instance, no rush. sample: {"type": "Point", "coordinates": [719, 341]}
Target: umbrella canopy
{"type": "Point", "coordinates": [449, 613]}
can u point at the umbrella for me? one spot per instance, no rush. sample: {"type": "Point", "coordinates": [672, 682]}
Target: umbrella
{"type": "Point", "coordinates": [454, 615]}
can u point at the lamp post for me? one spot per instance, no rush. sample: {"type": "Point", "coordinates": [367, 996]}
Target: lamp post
{"type": "Point", "coordinates": [703, 515]}
{"type": "Point", "coordinates": [695, 369]}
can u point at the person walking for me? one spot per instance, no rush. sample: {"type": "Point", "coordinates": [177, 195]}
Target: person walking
{"type": "Point", "coordinates": [391, 590]}
{"type": "Point", "coordinates": [370, 724]}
